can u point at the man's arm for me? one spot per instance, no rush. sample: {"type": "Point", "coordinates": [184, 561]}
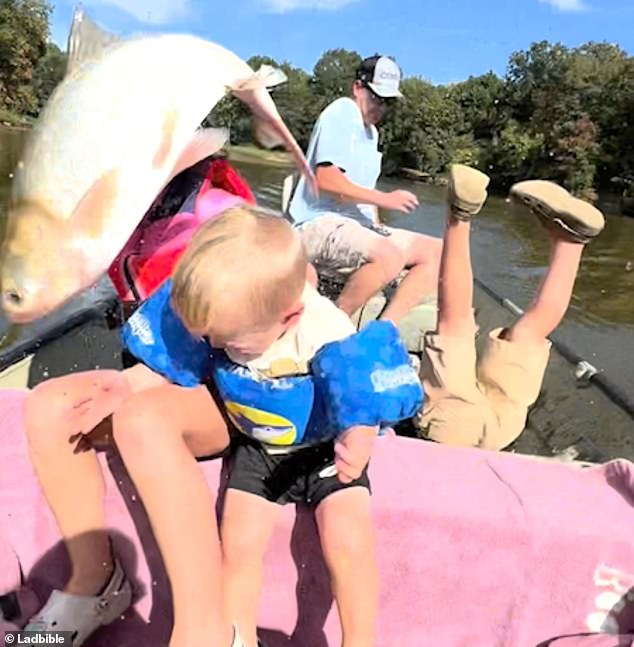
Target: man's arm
{"type": "Point", "coordinates": [333, 180]}
{"type": "Point", "coordinates": [335, 152]}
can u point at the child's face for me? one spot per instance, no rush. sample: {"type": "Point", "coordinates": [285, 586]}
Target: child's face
{"type": "Point", "coordinates": [250, 341]}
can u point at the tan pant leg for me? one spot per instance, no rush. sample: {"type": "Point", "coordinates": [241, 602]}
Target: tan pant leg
{"type": "Point", "coordinates": [511, 375]}
{"type": "Point", "coordinates": [455, 410]}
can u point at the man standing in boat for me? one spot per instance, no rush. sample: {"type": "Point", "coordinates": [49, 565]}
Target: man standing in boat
{"type": "Point", "coordinates": [340, 228]}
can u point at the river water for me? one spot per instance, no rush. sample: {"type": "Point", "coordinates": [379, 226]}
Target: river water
{"type": "Point", "coordinates": [510, 253]}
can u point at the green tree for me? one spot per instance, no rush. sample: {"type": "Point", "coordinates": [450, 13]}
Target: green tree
{"type": "Point", "coordinates": [538, 80]}
{"type": "Point", "coordinates": [604, 79]}
{"type": "Point", "coordinates": [333, 75]}
{"type": "Point", "coordinates": [513, 156]}
{"type": "Point", "coordinates": [48, 73]}
{"type": "Point", "coordinates": [257, 61]}
{"type": "Point", "coordinates": [228, 113]}
{"type": "Point", "coordinates": [552, 90]}
{"type": "Point", "coordinates": [297, 103]}
{"type": "Point", "coordinates": [482, 102]}
{"type": "Point", "coordinates": [422, 129]}
{"type": "Point", "coordinates": [24, 31]}
{"type": "Point", "coordinates": [574, 153]}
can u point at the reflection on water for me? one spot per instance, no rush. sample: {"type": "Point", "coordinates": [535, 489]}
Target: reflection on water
{"type": "Point", "coordinates": [511, 248]}
{"type": "Point", "coordinates": [510, 253]}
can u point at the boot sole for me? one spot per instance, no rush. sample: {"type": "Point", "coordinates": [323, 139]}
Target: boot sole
{"type": "Point", "coordinates": [556, 208]}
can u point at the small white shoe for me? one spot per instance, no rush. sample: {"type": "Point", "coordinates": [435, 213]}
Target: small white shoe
{"type": "Point", "coordinates": [83, 614]}
{"type": "Point", "coordinates": [237, 641]}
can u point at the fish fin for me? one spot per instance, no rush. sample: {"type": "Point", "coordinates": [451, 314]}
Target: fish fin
{"type": "Point", "coordinates": [299, 158]}
{"type": "Point", "coordinates": [167, 135]}
{"type": "Point", "coordinates": [265, 135]}
{"type": "Point", "coordinates": [273, 133]}
{"type": "Point", "coordinates": [271, 76]}
{"type": "Point", "coordinates": [268, 128]}
{"type": "Point", "coordinates": [90, 214]}
{"type": "Point", "coordinates": [86, 41]}
{"type": "Point", "coordinates": [205, 142]}
{"type": "Point", "coordinates": [266, 77]}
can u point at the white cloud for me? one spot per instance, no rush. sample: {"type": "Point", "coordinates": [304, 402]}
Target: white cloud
{"type": "Point", "coordinates": [284, 6]}
{"type": "Point", "coordinates": [567, 5]}
{"type": "Point", "coordinates": [151, 12]}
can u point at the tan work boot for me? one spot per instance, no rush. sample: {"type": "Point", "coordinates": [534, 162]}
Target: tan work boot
{"type": "Point", "coordinates": [467, 191]}
{"type": "Point", "coordinates": [557, 209]}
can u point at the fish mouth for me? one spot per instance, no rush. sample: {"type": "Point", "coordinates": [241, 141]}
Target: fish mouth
{"type": "Point", "coordinates": [21, 317]}
{"type": "Point", "coordinates": [21, 307]}
{"type": "Point", "coordinates": [27, 294]}
{"type": "Point", "coordinates": [21, 321]}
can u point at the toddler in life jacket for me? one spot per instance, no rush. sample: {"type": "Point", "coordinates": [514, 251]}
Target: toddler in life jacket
{"type": "Point", "coordinates": [302, 395]}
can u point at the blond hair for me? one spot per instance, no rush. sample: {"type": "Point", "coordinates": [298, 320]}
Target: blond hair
{"type": "Point", "coordinates": [245, 263]}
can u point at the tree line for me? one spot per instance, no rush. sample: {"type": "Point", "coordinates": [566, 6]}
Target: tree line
{"type": "Point", "coordinates": [557, 112]}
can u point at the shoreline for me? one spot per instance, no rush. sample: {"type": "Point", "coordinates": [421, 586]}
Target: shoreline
{"type": "Point", "coordinates": [13, 126]}
{"type": "Point", "coordinates": [254, 155]}
{"type": "Point", "coordinates": [251, 154]}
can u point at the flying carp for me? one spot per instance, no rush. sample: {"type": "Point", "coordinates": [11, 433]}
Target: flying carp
{"type": "Point", "coordinates": [123, 122]}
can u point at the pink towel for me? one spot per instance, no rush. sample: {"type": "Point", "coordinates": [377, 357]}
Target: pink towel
{"type": "Point", "coordinates": [475, 549]}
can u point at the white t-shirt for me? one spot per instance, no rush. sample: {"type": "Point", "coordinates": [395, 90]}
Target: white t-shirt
{"type": "Point", "coordinates": [340, 137]}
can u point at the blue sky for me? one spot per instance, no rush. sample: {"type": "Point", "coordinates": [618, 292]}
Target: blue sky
{"type": "Point", "coordinates": [443, 41]}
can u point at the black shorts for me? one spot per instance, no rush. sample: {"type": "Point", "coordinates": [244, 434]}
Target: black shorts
{"type": "Point", "coordinates": [286, 478]}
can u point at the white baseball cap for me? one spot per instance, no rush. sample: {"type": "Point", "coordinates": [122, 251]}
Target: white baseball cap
{"type": "Point", "coordinates": [382, 75]}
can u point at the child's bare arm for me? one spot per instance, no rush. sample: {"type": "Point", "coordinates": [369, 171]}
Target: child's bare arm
{"type": "Point", "coordinates": [139, 377]}
{"type": "Point", "coordinates": [96, 395]}
{"type": "Point", "coordinates": [353, 450]}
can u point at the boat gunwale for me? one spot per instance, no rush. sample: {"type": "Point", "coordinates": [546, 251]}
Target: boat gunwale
{"type": "Point", "coordinates": [103, 309]}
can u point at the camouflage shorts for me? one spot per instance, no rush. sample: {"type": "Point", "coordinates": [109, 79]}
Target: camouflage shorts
{"type": "Point", "coordinates": [337, 245]}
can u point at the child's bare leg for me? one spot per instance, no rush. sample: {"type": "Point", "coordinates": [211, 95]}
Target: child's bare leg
{"type": "Point", "coordinates": [553, 296]}
{"type": "Point", "coordinates": [347, 538]}
{"type": "Point", "coordinates": [571, 223]}
{"type": "Point", "coordinates": [57, 412]}
{"type": "Point", "coordinates": [247, 525]}
{"type": "Point", "coordinates": [159, 432]}
{"type": "Point", "coordinates": [467, 193]}
{"type": "Point", "coordinates": [455, 283]}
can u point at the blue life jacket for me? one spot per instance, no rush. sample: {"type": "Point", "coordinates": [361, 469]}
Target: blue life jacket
{"type": "Point", "coordinates": [364, 379]}
{"type": "Point", "coordinates": [156, 336]}
{"type": "Point", "coordinates": [274, 410]}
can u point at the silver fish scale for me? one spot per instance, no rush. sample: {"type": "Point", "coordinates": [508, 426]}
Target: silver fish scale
{"type": "Point", "coordinates": [111, 113]}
